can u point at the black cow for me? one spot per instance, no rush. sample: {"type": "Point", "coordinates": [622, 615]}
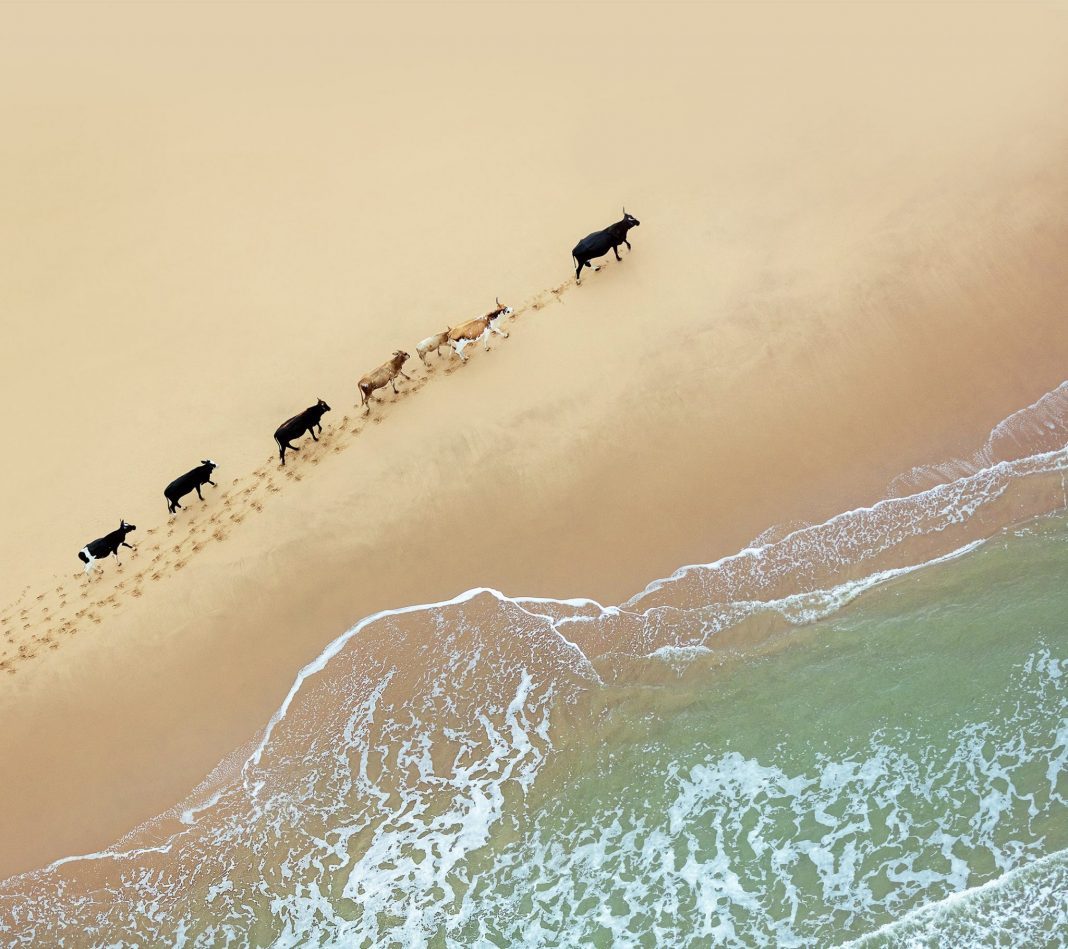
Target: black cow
{"type": "Point", "coordinates": [600, 243]}
{"type": "Point", "coordinates": [191, 481]}
{"type": "Point", "coordinates": [106, 546]}
{"type": "Point", "coordinates": [307, 421]}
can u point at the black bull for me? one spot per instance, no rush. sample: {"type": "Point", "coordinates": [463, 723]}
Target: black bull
{"type": "Point", "coordinates": [600, 243]}
{"type": "Point", "coordinates": [296, 426]}
{"type": "Point", "coordinates": [191, 481]}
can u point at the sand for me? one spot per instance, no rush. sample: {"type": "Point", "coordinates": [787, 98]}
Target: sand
{"type": "Point", "coordinates": [850, 262]}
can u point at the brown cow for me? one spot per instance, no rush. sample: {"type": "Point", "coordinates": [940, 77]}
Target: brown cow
{"type": "Point", "coordinates": [382, 376]}
{"type": "Point", "coordinates": [472, 330]}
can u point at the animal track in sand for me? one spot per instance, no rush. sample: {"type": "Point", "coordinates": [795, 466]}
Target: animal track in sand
{"type": "Point", "coordinates": [187, 537]}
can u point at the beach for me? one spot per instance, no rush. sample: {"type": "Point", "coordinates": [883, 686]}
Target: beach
{"type": "Point", "coordinates": [849, 265]}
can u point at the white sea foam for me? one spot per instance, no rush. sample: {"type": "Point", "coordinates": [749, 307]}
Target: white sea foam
{"type": "Point", "coordinates": [1041, 426]}
{"type": "Point", "coordinates": [1026, 906]}
{"type": "Point", "coordinates": [730, 859]}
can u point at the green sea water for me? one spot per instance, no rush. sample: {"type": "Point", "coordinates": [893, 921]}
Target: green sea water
{"type": "Point", "coordinates": [911, 747]}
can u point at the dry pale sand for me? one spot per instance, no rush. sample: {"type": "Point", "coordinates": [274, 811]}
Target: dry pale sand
{"type": "Point", "coordinates": [851, 261]}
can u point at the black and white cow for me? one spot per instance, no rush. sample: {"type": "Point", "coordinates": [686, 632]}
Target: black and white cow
{"type": "Point", "coordinates": [106, 546]}
{"type": "Point", "coordinates": [308, 420]}
{"type": "Point", "coordinates": [600, 243]}
{"type": "Point", "coordinates": [191, 481]}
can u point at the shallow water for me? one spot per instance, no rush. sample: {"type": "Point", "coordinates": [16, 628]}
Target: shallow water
{"type": "Point", "coordinates": [911, 748]}
{"type": "Point", "coordinates": [848, 731]}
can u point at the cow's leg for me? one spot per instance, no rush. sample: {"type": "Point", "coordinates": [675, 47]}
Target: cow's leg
{"type": "Point", "coordinates": [406, 376]}
{"type": "Point", "coordinates": [615, 250]}
{"type": "Point", "coordinates": [212, 483]}
{"type": "Point", "coordinates": [291, 447]}
{"type": "Point", "coordinates": [499, 332]}
{"type": "Point", "coordinates": [458, 348]}
{"type": "Point", "coordinates": [393, 383]}
{"type": "Point", "coordinates": [311, 431]}
{"type": "Point", "coordinates": [199, 495]}
{"type": "Point", "coordinates": [124, 544]}
{"type": "Point", "coordinates": [625, 241]}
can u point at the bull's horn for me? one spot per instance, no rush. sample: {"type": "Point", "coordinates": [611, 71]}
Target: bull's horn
{"type": "Point", "coordinates": [498, 299]}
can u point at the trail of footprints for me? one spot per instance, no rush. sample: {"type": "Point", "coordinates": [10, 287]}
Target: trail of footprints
{"type": "Point", "coordinates": [37, 623]}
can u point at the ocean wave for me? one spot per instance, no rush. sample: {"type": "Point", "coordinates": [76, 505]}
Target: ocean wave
{"type": "Point", "coordinates": [1027, 906]}
{"type": "Point", "coordinates": [1039, 427]}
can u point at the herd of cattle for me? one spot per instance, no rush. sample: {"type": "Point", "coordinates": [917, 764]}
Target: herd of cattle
{"type": "Point", "coordinates": [594, 245]}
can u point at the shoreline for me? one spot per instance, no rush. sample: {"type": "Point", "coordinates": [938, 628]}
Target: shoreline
{"type": "Point", "coordinates": [764, 642]}
{"type": "Point", "coordinates": [759, 638]}
{"type": "Point", "coordinates": [834, 282]}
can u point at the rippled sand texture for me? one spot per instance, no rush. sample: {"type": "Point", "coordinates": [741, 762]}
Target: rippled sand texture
{"type": "Point", "coordinates": [850, 266]}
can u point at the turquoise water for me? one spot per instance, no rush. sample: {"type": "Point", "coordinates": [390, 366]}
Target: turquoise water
{"type": "Point", "coordinates": [914, 746]}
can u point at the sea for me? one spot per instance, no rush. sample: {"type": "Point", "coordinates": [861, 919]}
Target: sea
{"type": "Point", "coordinates": [848, 733]}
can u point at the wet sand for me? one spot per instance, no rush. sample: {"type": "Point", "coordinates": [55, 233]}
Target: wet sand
{"type": "Point", "coordinates": [850, 262]}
